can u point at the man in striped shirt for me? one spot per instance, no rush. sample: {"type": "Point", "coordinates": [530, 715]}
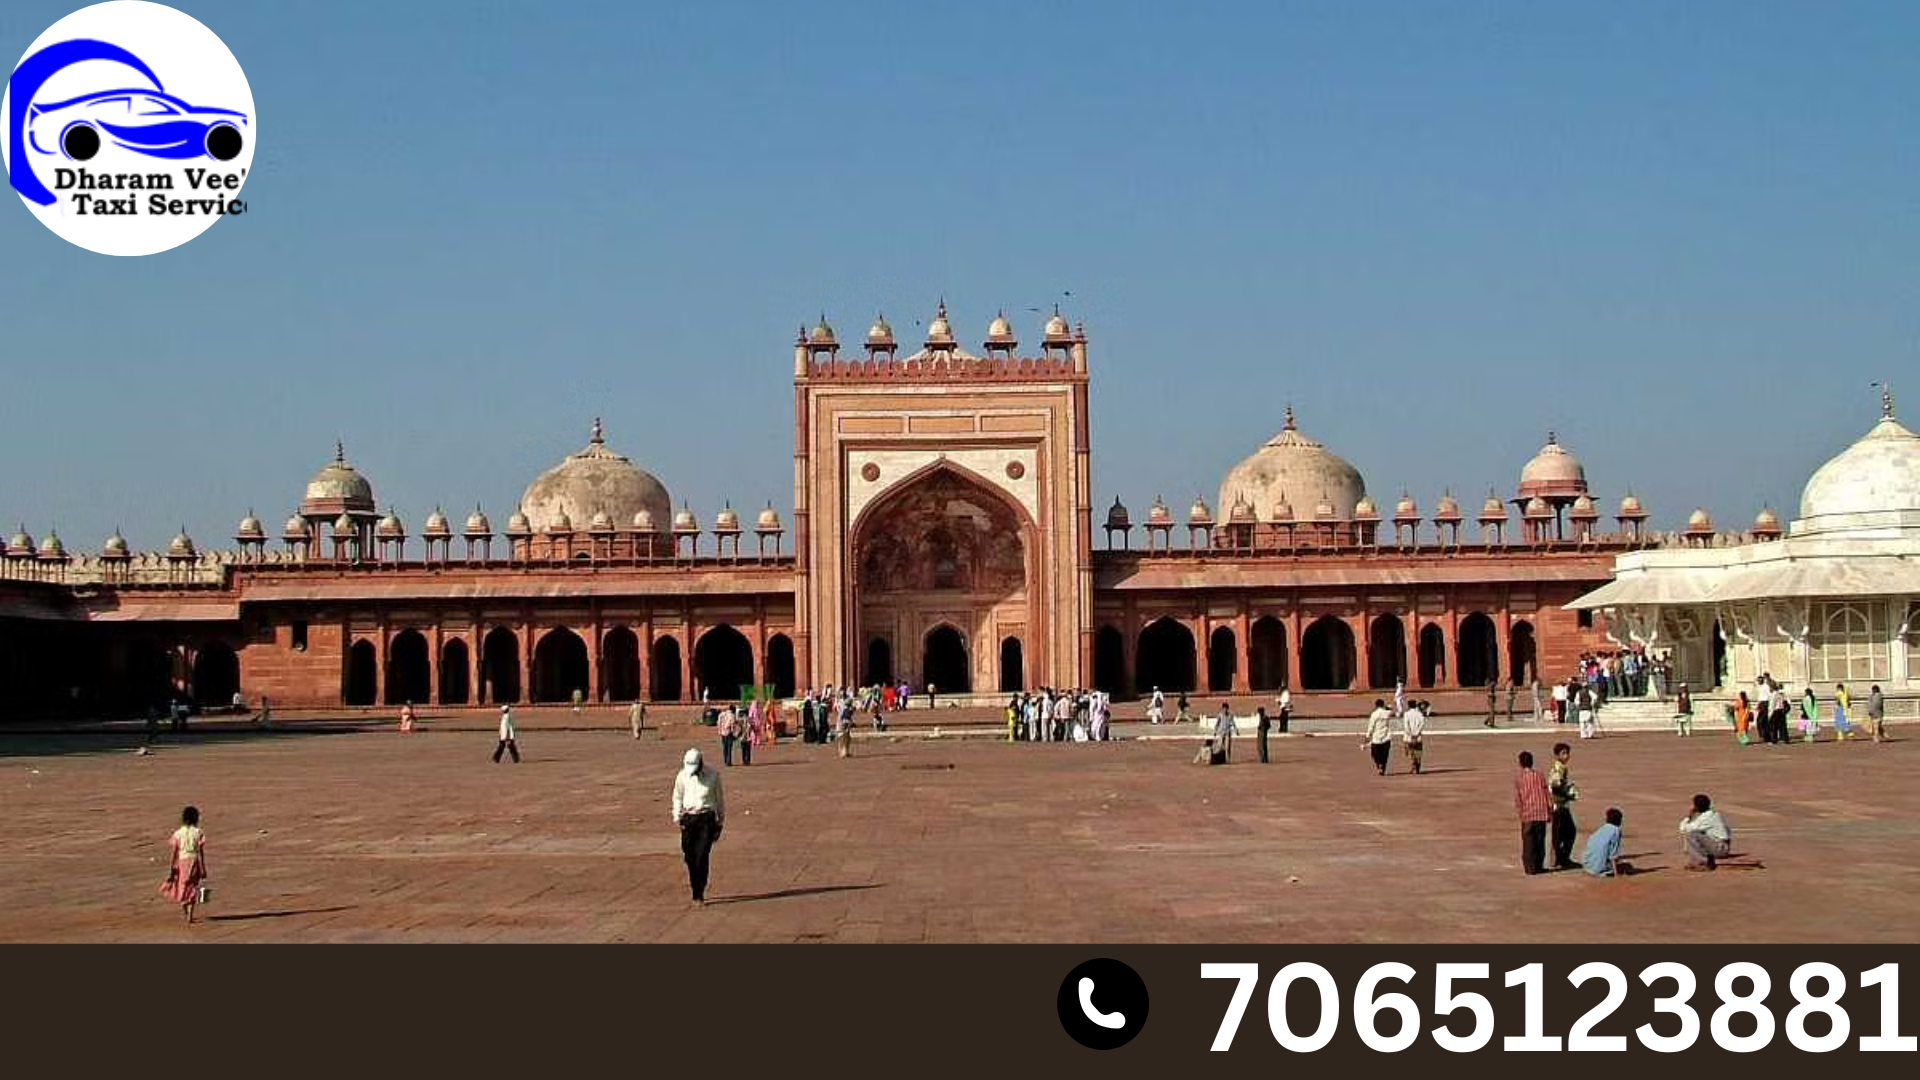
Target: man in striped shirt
{"type": "Point", "coordinates": [1531, 802]}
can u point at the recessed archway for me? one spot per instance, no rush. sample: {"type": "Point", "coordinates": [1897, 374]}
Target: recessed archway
{"type": "Point", "coordinates": [363, 674]}
{"type": "Point", "coordinates": [945, 665]}
{"type": "Point", "coordinates": [455, 675]}
{"type": "Point", "coordinates": [500, 666]}
{"type": "Point", "coordinates": [1521, 664]}
{"type": "Point", "coordinates": [1165, 658]}
{"type": "Point", "coordinates": [1433, 656]}
{"type": "Point", "coordinates": [1386, 651]}
{"type": "Point", "coordinates": [1479, 661]}
{"type": "Point", "coordinates": [941, 541]}
{"type": "Point", "coordinates": [1222, 660]}
{"type": "Point", "coordinates": [620, 664]}
{"type": "Point", "coordinates": [1326, 655]}
{"type": "Point", "coordinates": [1013, 671]}
{"type": "Point", "coordinates": [1109, 661]}
{"type": "Point", "coordinates": [665, 683]}
{"type": "Point", "coordinates": [723, 663]}
{"type": "Point", "coordinates": [1267, 654]}
{"type": "Point", "coordinates": [559, 666]}
{"type": "Point", "coordinates": [408, 674]}
{"type": "Point", "coordinates": [780, 669]}
{"type": "Point", "coordinates": [216, 674]}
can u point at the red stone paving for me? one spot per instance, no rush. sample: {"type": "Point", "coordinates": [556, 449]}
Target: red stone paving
{"type": "Point", "coordinates": [374, 836]}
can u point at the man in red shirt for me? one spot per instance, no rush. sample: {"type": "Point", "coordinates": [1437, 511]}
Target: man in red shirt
{"type": "Point", "coordinates": [1531, 802]}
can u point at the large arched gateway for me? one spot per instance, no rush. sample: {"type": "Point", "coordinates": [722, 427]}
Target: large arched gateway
{"type": "Point", "coordinates": [941, 565]}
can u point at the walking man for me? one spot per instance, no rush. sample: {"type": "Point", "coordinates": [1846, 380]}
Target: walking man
{"type": "Point", "coordinates": [1531, 803]}
{"type": "Point", "coordinates": [1414, 730]}
{"type": "Point", "coordinates": [1286, 707]}
{"type": "Point", "coordinates": [1493, 701]}
{"type": "Point", "coordinates": [1380, 735]}
{"type": "Point", "coordinates": [1157, 707]}
{"type": "Point", "coordinates": [1877, 714]}
{"type": "Point", "coordinates": [637, 717]}
{"type": "Point", "coordinates": [1683, 710]}
{"type": "Point", "coordinates": [1513, 690]}
{"type": "Point", "coordinates": [1561, 789]}
{"type": "Point", "coordinates": [699, 811]}
{"type": "Point", "coordinates": [1260, 726]}
{"type": "Point", "coordinates": [506, 743]}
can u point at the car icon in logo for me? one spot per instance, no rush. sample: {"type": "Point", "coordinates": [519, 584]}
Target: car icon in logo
{"type": "Point", "coordinates": [144, 121]}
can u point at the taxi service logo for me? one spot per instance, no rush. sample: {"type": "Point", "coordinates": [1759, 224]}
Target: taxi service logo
{"type": "Point", "coordinates": [130, 128]}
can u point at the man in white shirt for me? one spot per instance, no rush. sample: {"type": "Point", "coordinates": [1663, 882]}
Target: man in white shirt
{"type": "Point", "coordinates": [1380, 735]}
{"type": "Point", "coordinates": [637, 717]}
{"type": "Point", "coordinates": [1157, 708]}
{"type": "Point", "coordinates": [1285, 701]}
{"type": "Point", "coordinates": [1560, 703]}
{"type": "Point", "coordinates": [1705, 834]}
{"type": "Point", "coordinates": [506, 743]}
{"type": "Point", "coordinates": [700, 812]}
{"type": "Point", "coordinates": [1414, 726]}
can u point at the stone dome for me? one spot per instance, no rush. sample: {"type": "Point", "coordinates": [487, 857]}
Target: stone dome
{"type": "Point", "coordinates": [1159, 513]}
{"type": "Point", "coordinates": [684, 521]}
{"type": "Point", "coordinates": [51, 549]}
{"type": "Point", "coordinates": [1297, 471]}
{"type": "Point", "coordinates": [1117, 516]}
{"type": "Point", "coordinates": [1281, 512]}
{"type": "Point", "coordinates": [1553, 473]}
{"type": "Point", "coordinates": [337, 488]}
{"type": "Point", "coordinates": [1698, 521]}
{"type": "Point", "coordinates": [601, 522]}
{"type": "Point", "coordinates": [519, 524]}
{"type": "Point", "coordinates": [1448, 508]}
{"type": "Point", "coordinates": [295, 528]}
{"type": "Point", "coordinates": [1000, 330]}
{"type": "Point", "coordinates": [1537, 508]}
{"type": "Point", "coordinates": [437, 524]}
{"type": "Point", "coordinates": [181, 547]}
{"type": "Point", "coordinates": [940, 332]}
{"type": "Point", "coordinates": [822, 333]}
{"type": "Point", "coordinates": [1056, 328]}
{"type": "Point", "coordinates": [1630, 508]}
{"type": "Point", "coordinates": [561, 523]}
{"type": "Point", "coordinates": [880, 334]}
{"type": "Point", "coordinates": [768, 521]}
{"type": "Point", "coordinates": [391, 526]}
{"type": "Point", "coordinates": [1199, 513]}
{"type": "Point", "coordinates": [21, 546]}
{"type": "Point", "coordinates": [1324, 510]}
{"type": "Point", "coordinates": [1766, 521]}
{"type": "Point", "coordinates": [1493, 509]}
{"type": "Point", "coordinates": [1365, 508]}
{"type": "Point", "coordinates": [593, 479]}
{"type": "Point", "coordinates": [643, 521]}
{"type": "Point", "coordinates": [342, 525]}
{"type": "Point", "coordinates": [115, 547]}
{"type": "Point", "coordinates": [1584, 508]}
{"type": "Point", "coordinates": [726, 520]}
{"type": "Point", "coordinates": [477, 523]}
{"type": "Point", "coordinates": [1879, 474]}
{"type": "Point", "coordinates": [1405, 509]}
{"type": "Point", "coordinates": [1241, 512]}
{"type": "Point", "coordinates": [250, 528]}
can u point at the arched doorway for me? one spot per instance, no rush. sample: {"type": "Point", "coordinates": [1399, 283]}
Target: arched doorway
{"type": "Point", "coordinates": [149, 674]}
{"type": "Point", "coordinates": [363, 673]}
{"type": "Point", "coordinates": [216, 674]}
{"type": "Point", "coordinates": [944, 662]}
{"type": "Point", "coordinates": [1267, 654]}
{"type": "Point", "coordinates": [454, 673]}
{"type": "Point", "coordinates": [1386, 651]}
{"type": "Point", "coordinates": [666, 670]}
{"type": "Point", "coordinates": [1013, 672]}
{"type": "Point", "coordinates": [1433, 656]}
{"type": "Point", "coordinates": [723, 663]}
{"type": "Point", "coordinates": [1165, 658]}
{"type": "Point", "coordinates": [620, 664]}
{"type": "Point", "coordinates": [1326, 655]}
{"type": "Point", "coordinates": [1109, 661]}
{"type": "Point", "coordinates": [941, 541]}
{"type": "Point", "coordinates": [1479, 660]}
{"type": "Point", "coordinates": [1520, 652]}
{"type": "Point", "coordinates": [780, 665]}
{"type": "Point", "coordinates": [1718, 656]}
{"type": "Point", "coordinates": [879, 667]}
{"type": "Point", "coordinates": [408, 677]}
{"type": "Point", "coordinates": [1221, 661]}
{"type": "Point", "coordinates": [500, 667]}
{"type": "Point", "coordinates": [559, 666]}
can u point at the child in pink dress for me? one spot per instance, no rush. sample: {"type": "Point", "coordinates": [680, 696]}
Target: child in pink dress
{"type": "Point", "coordinates": [187, 863]}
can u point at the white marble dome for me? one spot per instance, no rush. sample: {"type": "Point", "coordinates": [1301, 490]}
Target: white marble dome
{"type": "Point", "coordinates": [595, 479]}
{"type": "Point", "coordinates": [1877, 474]}
{"type": "Point", "coordinates": [1293, 470]}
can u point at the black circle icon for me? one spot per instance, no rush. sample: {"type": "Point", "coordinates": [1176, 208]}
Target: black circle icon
{"type": "Point", "coordinates": [223, 142]}
{"type": "Point", "coordinates": [80, 142]}
{"type": "Point", "coordinates": [1103, 1004]}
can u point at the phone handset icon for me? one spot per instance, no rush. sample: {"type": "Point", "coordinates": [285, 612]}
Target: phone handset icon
{"type": "Point", "coordinates": [1113, 1021]}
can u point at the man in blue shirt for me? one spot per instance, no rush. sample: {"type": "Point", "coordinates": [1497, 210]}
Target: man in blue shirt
{"type": "Point", "coordinates": [1602, 857]}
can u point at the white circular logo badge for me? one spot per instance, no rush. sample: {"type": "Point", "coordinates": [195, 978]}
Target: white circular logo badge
{"type": "Point", "coordinates": [129, 128]}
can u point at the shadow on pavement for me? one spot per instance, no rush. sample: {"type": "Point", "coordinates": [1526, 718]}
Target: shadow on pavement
{"type": "Point", "coordinates": [252, 915]}
{"type": "Point", "coordinates": [127, 740]}
{"type": "Point", "coordinates": [782, 894]}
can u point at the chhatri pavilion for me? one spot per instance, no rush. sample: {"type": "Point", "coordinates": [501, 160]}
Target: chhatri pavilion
{"type": "Point", "coordinates": [943, 530]}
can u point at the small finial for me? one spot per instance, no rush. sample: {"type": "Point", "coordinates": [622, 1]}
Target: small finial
{"type": "Point", "coordinates": [1289, 425]}
{"type": "Point", "coordinates": [339, 452]}
{"type": "Point", "coordinates": [1553, 438]}
{"type": "Point", "coordinates": [1886, 400]}
{"type": "Point", "coordinates": [599, 432]}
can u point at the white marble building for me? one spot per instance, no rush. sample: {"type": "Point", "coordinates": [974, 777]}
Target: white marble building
{"type": "Point", "coordinates": [1834, 600]}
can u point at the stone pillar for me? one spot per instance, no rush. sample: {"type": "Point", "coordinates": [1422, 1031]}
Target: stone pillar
{"type": "Point", "coordinates": [591, 635]}
{"type": "Point", "coordinates": [1242, 651]}
{"type": "Point", "coordinates": [433, 663]}
{"type": "Point", "coordinates": [380, 664]}
{"type": "Point", "coordinates": [1296, 625]}
{"type": "Point", "coordinates": [1450, 648]}
{"type": "Point", "coordinates": [688, 692]}
{"type": "Point", "coordinates": [645, 633]}
{"type": "Point", "coordinates": [527, 630]}
{"type": "Point", "coordinates": [1363, 642]}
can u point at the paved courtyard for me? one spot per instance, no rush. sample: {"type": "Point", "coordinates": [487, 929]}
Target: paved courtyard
{"type": "Point", "coordinates": [322, 832]}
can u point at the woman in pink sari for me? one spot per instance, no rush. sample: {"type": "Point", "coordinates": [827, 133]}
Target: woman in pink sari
{"type": "Point", "coordinates": [187, 863]}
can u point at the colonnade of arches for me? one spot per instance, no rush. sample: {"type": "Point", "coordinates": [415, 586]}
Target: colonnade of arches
{"type": "Point", "coordinates": [85, 671]}
{"type": "Point", "coordinates": [722, 663]}
{"type": "Point", "coordinates": [946, 662]}
{"type": "Point", "coordinates": [1167, 656]}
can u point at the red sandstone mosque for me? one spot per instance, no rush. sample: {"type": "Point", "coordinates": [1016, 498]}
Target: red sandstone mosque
{"type": "Point", "coordinates": [943, 530]}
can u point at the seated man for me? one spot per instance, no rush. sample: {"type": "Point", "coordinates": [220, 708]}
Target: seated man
{"type": "Point", "coordinates": [1705, 834]}
{"type": "Point", "coordinates": [1602, 856]}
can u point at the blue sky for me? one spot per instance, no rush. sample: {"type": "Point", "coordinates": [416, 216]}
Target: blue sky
{"type": "Point", "coordinates": [1683, 235]}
